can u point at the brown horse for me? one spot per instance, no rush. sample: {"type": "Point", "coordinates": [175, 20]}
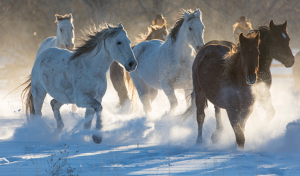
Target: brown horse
{"type": "Point", "coordinates": [224, 77]}
{"type": "Point", "coordinates": [121, 79]}
{"type": "Point", "coordinates": [274, 43]}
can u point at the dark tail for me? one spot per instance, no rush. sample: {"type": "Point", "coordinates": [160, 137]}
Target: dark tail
{"type": "Point", "coordinates": [190, 111]}
{"type": "Point", "coordinates": [132, 92]}
{"type": "Point", "coordinates": [192, 108]}
{"type": "Point", "coordinates": [27, 98]}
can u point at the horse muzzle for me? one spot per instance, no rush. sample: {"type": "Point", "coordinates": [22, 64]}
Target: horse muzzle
{"type": "Point", "coordinates": [251, 79]}
{"type": "Point", "coordinates": [131, 66]}
{"type": "Point", "coordinates": [290, 63]}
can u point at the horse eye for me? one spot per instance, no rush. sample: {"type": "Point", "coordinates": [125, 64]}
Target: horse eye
{"type": "Point", "coordinates": [119, 43]}
{"type": "Point", "coordinates": [60, 30]}
{"type": "Point", "coordinates": [190, 28]}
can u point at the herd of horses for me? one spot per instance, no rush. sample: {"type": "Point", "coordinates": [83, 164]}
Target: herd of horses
{"type": "Point", "coordinates": [219, 71]}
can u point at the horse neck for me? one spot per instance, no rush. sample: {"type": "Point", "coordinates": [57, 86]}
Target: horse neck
{"type": "Point", "coordinates": [98, 62]}
{"type": "Point", "coordinates": [182, 47]}
{"type": "Point", "coordinates": [149, 37]}
{"type": "Point", "coordinates": [240, 74]}
{"type": "Point", "coordinates": [265, 59]}
{"type": "Point", "coordinates": [59, 40]}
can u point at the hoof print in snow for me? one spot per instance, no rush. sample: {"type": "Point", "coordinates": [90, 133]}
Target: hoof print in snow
{"type": "Point", "coordinates": [97, 138]}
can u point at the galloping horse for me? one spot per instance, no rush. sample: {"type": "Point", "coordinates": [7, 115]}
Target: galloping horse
{"type": "Point", "coordinates": [166, 65]}
{"type": "Point", "coordinates": [120, 79]}
{"type": "Point", "coordinates": [274, 44]}
{"type": "Point", "coordinates": [64, 36]}
{"type": "Point", "coordinates": [78, 77]}
{"type": "Point", "coordinates": [224, 76]}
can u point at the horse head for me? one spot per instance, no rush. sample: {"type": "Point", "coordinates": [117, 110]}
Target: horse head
{"type": "Point", "coordinates": [249, 56]}
{"type": "Point", "coordinates": [279, 43]}
{"type": "Point", "coordinates": [158, 32]}
{"type": "Point", "coordinates": [119, 49]}
{"type": "Point", "coordinates": [194, 28]}
{"type": "Point", "coordinates": [65, 30]}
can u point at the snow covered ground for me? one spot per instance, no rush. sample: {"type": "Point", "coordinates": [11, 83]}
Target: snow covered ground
{"type": "Point", "coordinates": [157, 145]}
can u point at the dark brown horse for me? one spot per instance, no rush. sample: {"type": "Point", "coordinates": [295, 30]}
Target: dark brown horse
{"type": "Point", "coordinates": [224, 77]}
{"type": "Point", "coordinates": [274, 43]}
{"type": "Point", "coordinates": [121, 79]}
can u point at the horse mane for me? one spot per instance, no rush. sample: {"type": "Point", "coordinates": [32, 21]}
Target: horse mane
{"type": "Point", "coordinates": [237, 24]}
{"type": "Point", "coordinates": [144, 37]}
{"type": "Point", "coordinates": [63, 17]}
{"type": "Point", "coordinates": [232, 58]}
{"type": "Point", "coordinates": [174, 31]}
{"type": "Point", "coordinates": [93, 38]}
{"type": "Point", "coordinates": [263, 31]}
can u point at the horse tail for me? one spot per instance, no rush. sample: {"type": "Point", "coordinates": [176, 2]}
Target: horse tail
{"type": "Point", "coordinates": [131, 90]}
{"type": "Point", "coordinates": [27, 98]}
{"type": "Point", "coordinates": [191, 109]}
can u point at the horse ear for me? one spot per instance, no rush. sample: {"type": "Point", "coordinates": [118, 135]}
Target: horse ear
{"type": "Point", "coordinates": [120, 26]}
{"type": "Point", "coordinates": [152, 28]}
{"type": "Point", "coordinates": [271, 25]}
{"type": "Point", "coordinates": [70, 16]}
{"type": "Point", "coordinates": [199, 13]}
{"type": "Point", "coordinates": [241, 38]}
{"type": "Point", "coordinates": [109, 26]}
{"type": "Point", "coordinates": [186, 15]}
{"type": "Point", "coordinates": [285, 24]}
{"type": "Point", "coordinates": [257, 36]}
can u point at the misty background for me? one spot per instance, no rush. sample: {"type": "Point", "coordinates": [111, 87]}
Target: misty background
{"type": "Point", "coordinates": [25, 24]}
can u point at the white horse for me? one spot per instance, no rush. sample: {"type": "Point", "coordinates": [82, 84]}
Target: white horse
{"type": "Point", "coordinates": [78, 77]}
{"type": "Point", "coordinates": [168, 65]}
{"type": "Point", "coordinates": [64, 36]}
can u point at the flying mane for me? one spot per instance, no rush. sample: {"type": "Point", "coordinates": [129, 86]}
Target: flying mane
{"type": "Point", "coordinates": [93, 38]}
{"type": "Point", "coordinates": [63, 17]}
{"type": "Point", "coordinates": [144, 37]}
{"type": "Point", "coordinates": [263, 30]}
{"type": "Point", "coordinates": [174, 31]}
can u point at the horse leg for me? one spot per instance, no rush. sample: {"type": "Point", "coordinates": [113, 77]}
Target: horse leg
{"type": "Point", "coordinates": [201, 103]}
{"type": "Point", "coordinates": [117, 74]}
{"type": "Point", "coordinates": [143, 92]}
{"type": "Point", "coordinates": [215, 137]}
{"type": "Point", "coordinates": [74, 108]}
{"type": "Point", "coordinates": [168, 88]}
{"type": "Point", "coordinates": [233, 114]}
{"type": "Point", "coordinates": [38, 94]}
{"type": "Point", "coordinates": [56, 105]}
{"type": "Point", "coordinates": [89, 103]}
{"type": "Point", "coordinates": [244, 117]}
{"type": "Point", "coordinates": [89, 115]}
{"type": "Point", "coordinates": [266, 102]}
{"type": "Point", "coordinates": [153, 93]}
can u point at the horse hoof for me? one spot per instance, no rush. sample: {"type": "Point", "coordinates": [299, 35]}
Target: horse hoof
{"type": "Point", "coordinates": [199, 141]}
{"type": "Point", "coordinates": [97, 138]}
{"type": "Point", "coordinates": [215, 137]}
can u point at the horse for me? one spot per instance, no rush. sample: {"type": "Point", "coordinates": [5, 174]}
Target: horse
{"type": "Point", "coordinates": [64, 36]}
{"type": "Point", "coordinates": [121, 79]}
{"type": "Point", "coordinates": [224, 77]}
{"type": "Point", "coordinates": [166, 65]}
{"type": "Point", "coordinates": [78, 77]}
{"type": "Point", "coordinates": [274, 44]}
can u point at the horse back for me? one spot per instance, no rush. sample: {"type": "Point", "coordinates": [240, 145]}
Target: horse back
{"type": "Point", "coordinates": [47, 43]}
{"type": "Point", "coordinates": [210, 51]}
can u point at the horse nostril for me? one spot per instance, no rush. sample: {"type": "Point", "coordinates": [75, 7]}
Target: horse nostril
{"type": "Point", "coordinates": [131, 64]}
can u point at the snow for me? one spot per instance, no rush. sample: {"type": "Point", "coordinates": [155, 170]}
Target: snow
{"type": "Point", "coordinates": [158, 145]}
